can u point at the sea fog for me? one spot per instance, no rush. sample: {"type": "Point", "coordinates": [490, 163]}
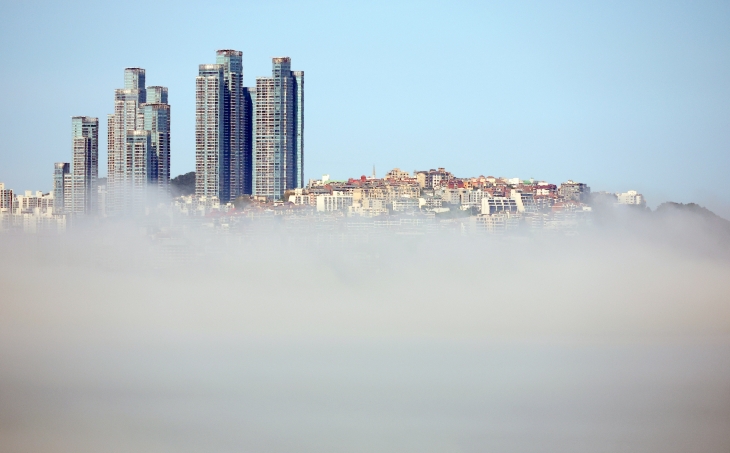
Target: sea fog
{"type": "Point", "coordinates": [616, 338]}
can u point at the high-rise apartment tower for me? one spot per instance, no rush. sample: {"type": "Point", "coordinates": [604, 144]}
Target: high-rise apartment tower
{"type": "Point", "coordinates": [222, 129]}
{"type": "Point", "coordinates": [279, 125]}
{"type": "Point", "coordinates": [61, 172]}
{"type": "Point", "coordinates": [84, 166]}
{"type": "Point", "coordinates": [211, 163]}
{"type": "Point", "coordinates": [248, 140]}
{"type": "Point", "coordinates": [138, 167]}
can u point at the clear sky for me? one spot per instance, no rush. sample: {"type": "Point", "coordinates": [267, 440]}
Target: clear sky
{"type": "Point", "coordinates": [618, 94]}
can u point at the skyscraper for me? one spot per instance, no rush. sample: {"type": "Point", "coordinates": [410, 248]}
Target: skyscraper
{"type": "Point", "coordinates": [233, 117]}
{"type": "Point", "coordinates": [157, 123]}
{"type": "Point", "coordinates": [60, 170]}
{"type": "Point", "coordinates": [126, 191]}
{"type": "Point", "coordinates": [141, 168]}
{"type": "Point", "coordinates": [126, 117]}
{"type": "Point", "coordinates": [298, 128]}
{"type": "Point", "coordinates": [279, 148]}
{"type": "Point", "coordinates": [249, 137]}
{"type": "Point", "coordinates": [211, 162]}
{"type": "Point", "coordinates": [222, 128]}
{"type": "Point", "coordinates": [84, 166]}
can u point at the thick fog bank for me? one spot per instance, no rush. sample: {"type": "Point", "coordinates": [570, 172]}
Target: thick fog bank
{"type": "Point", "coordinates": [202, 394]}
{"type": "Point", "coordinates": [614, 339]}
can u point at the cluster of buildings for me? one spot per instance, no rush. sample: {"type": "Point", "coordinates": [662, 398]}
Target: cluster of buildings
{"type": "Point", "coordinates": [248, 141]}
{"type": "Point", "coordinates": [424, 198]}
{"type": "Point", "coordinates": [31, 212]}
{"type": "Point", "coordinates": [249, 163]}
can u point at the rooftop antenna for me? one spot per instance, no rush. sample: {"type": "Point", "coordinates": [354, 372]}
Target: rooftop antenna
{"type": "Point", "coordinates": [373, 171]}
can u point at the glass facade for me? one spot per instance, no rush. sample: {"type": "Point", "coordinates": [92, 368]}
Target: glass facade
{"type": "Point", "coordinates": [248, 140]}
{"type": "Point", "coordinates": [249, 137]}
{"type": "Point", "coordinates": [138, 112]}
{"type": "Point", "coordinates": [223, 131]}
{"type": "Point", "coordinates": [211, 162]}
{"type": "Point", "coordinates": [127, 117]}
{"type": "Point", "coordinates": [156, 95]}
{"type": "Point", "coordinates": [60, 170]}
{"type": "Point", "coordinates": [157, 122]}
{"type": "Point", "coordinates": [279, 123]}
{"type": "Point", "coordinates": [84, 166]}
{"type": "Point", "coordinates": [232, 120]}
{"type": "Point", "coordinates": [298, 129]}
{"type": "Point", "coordinates": [139, 153]}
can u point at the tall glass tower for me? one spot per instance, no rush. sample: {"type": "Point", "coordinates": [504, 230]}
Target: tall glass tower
{"type": "Point", "coordinates": [141, 169]}
{"type": "Point", "coordinates": [126, 117]}
{"type": "Point", "coordinates": [279, 148]}
{"type": "Point", "coordinates": [249, 137]}
{"type": "Point", "coordinates": [222, 128]}
{"type": "Point", "coordinates": [84, 165]}
{"type": "Point", "coordinates": [233, 120]}
{"type": "Point", "coordinates": [298, 129]}
{"type": "Point", "coordinates": [132, 179]}
{"type": "Point", "coordinates": [211, 161]}
{"type": "Point", "coordinates": [157, 122]}
{"type": "Point", "coordinates": [60, 172]}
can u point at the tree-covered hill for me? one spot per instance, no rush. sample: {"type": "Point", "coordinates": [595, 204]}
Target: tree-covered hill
{"type": "Point", "coordinates": [183, 184]}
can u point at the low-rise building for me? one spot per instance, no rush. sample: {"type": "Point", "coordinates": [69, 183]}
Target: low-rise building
{"type": "Point", "coordinates": [301, 198]}
{"type": "Point", "coordinates": [495, 223]}
{"type": "Point", "coordinates": [433, 177]}
{"type": "Point", "coordinates": [471, 198]}
{"type": "Point", "coordinates": [575, 191]}
{"type": "Point", "coordinates": [631, 197]}
{"type": "Point", "coordinates": [337, 201]}
{"type": "Point", "coordinates": [405, 204]}
{"type": "Point", "coordinates": [193, 205]}
{"type": "Point", "coordinates": [30, 200]}
{"type": "Point", "coordinates": [451, 196]}
{"type": "Point", "coordinates": [494, 205]}
{"type": "Point", "coordinates": [525, 201]}
{"type": "Point", "coordinates": [430, 203]}
{"type": "Point", "coordinates": [397, 174]}
{"type": "Point", "coordinates": [368, 207]}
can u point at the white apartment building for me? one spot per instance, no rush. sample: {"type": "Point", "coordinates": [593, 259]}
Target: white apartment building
{"type": "Point", "coordinates": [525, 201]}
{"type": "Point", "coordinates": [494, 205]}
{"type": "Point", "coordinates": [193, 205]}
{"type": "Point", "coordinates": [471, 198]}
{"type": "Point", "coordinates": [37, 222]}
{"type": "Point", "coordinates": [405, 204]}
{"type": "Point", "coordinates": [338, 201]}
{"type": "Point", "coordinates": [452, 196]}
{"type": "Point", "coordinates": [630, 197]}
{"type": "Point", "coordinates": [31, 212]}
{"type": "Point", "coordinates": [6, 199]}
{"type": "Point", "coordinates": [430, 203]}
{"type": "Point", "coordinates": [495, 223]}
{"type": "Point", "coordinates": [300, 198]}
{"type": "Point", "coordinates": [368, 207]}
{"type": "Point", "coordinates": [30, 201]}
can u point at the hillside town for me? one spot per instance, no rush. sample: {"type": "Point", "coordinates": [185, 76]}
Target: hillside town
{"type": "Point", "coordinates": [420, 201]}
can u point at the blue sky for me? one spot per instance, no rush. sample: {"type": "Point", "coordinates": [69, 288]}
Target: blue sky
{"type": "Point", "coordinates": [620, 95]}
